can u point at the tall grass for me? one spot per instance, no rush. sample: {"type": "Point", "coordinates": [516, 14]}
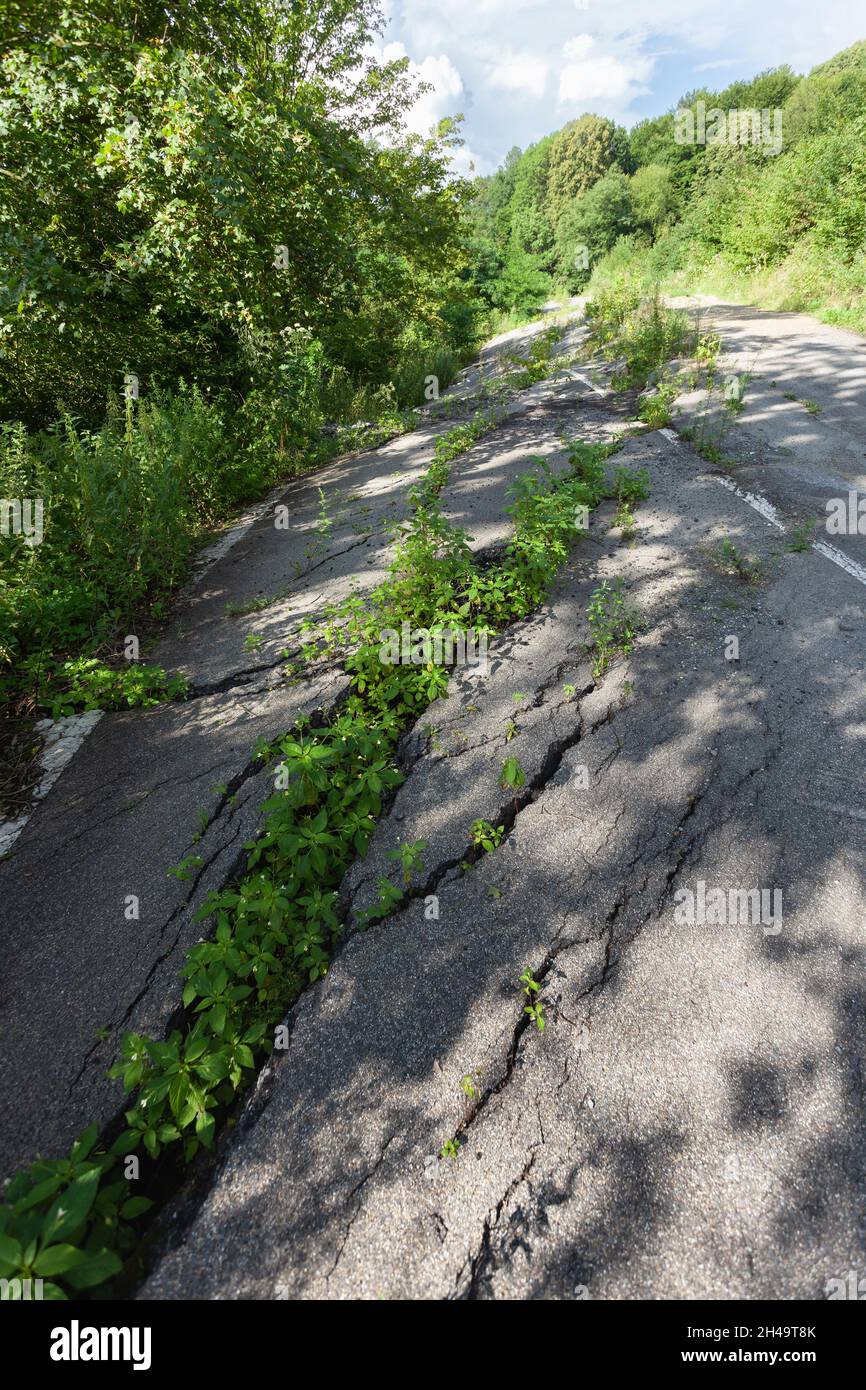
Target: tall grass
{"type": "Point", "coordinates": [125, 505]}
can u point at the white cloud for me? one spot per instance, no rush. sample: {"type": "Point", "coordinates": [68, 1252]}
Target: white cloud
{"type": "Point", "coordinates": [446, 83]}
{"type": "Point", "coordinates": [592, 75]}
{"type": "Point", "coordinates": [520, 68]}
{"type": "Point", "coordinates": [524, 75]}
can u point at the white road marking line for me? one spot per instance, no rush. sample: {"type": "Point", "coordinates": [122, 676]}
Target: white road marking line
{"type": "Point", "coordinates": [837, 807]}
{"type": "Point", "coordinates": [762, 505]}
{"type": "Point", "coordinates": [841, 559]}
{"type": "Point", "coordinates": [63, 738]}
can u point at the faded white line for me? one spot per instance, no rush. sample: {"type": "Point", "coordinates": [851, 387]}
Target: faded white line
{"type": "Point", "coordinates": [762, 505]}
{"type": "Point", "coordinates": [841, 559]}
{"type": "Point", "coordinates": [837, 807]}
{"type": "Point", "coordinates": [62, 739]}
{"type": "Point", "coordinates": [671, 434]}
{"type": "Point", "coordinates": [579, 376]}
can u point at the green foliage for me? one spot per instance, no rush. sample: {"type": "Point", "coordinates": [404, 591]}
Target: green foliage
{"type": "Point", "coordinates": [580, 155]}
{"type": "Point", "coordinates": [68, 1220]}
{"type": "Point", "coordinates": [87, 684]}
{"type": "Point", "coordinates": [174, 213]}
{"type": "Point", "coordinates": [787, 230]}
{"type": "Point", "coordinates": [626, 323]}
{"type": "Point", "coordinates": [521, 285]}
{"type": "Point", "coordinates": [409, 858]}
{"type": "Point", "coordinates": [534, 1008]}
{"type": "Point", "coordinates": [486, 836]}
{"type": "Point", "coordinates": [732, 561]}
{"type": "Point", "coordinates": [655, 408]}
{"type": "Point", "coordinates": [589, 227]}
{"type": "Point", "coordinates": [273, 930]}
{"type": "Point", "coordinates": [195, 212]}
{"type": "Point", "coordinates": [612, 624]}
{"type": "Point", "coordinates": [655, 199]}
{"type": "Point", "coordinates": [512, 777]}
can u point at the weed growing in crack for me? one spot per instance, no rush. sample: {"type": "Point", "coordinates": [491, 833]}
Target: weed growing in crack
{"type": "Point", "coordinates": [801, 536]}
{"type": "Point", "coordinates": [450, 1148]}
{"type": "Point", "coordinates": [183, 871]}
{"type": "Point", "coordinates": [470, 1090]}
{"type": "Point", "coordinates": [612, 623]}
{"type": "Point", "coordinates": [388, 897]}
{"type": "Point", "coordinates": [630, 485]}
{"type": "Point", "coordinates": [534, 1008]}
{"type": "Point", "coordinates": [486, 836]}
{"type": "Point", "coordinates": [655, 408]}
{"type": "Point", "coordinates": [624, 323]}
{"type": "Point", "coordinates": [409, 858]}
{"type": "Point", "coordinates": [512, 777]}
{"type": "Point", "coordinates": [732, 561]}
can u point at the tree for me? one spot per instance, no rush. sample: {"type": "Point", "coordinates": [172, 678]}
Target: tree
{"type": "Point", "coordinates": [172, 209]}
{"type": "Point", "coordinates": [580, 154]}
{"type": "Point", "coordinates": [523, 284]}
{"type": "Point", "coordinates": [530, 228]}
{"type": "Point", "coordinates": [655, 198]}
{"type": "Point", "coordinates": [589, 227]}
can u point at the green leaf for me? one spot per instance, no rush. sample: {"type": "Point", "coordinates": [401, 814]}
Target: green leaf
{"type": "Point", "coordinates": [10, 1254]}
{"type": "Point", "coordinates": [95, 1269]}
{"type": "Point", "coordinates": [71, 1207]}
{"type": "Point", "coordinates": [57, 1259]}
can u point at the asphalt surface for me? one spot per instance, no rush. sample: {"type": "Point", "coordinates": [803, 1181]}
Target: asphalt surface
{"type": "Point", "coordinates": [690, 1122]}
{"type": "Point", "coordinates": [150, 789]}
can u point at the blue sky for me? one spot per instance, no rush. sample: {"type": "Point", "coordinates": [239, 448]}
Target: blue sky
{"type": "Point", "coordinates": [519, 69]}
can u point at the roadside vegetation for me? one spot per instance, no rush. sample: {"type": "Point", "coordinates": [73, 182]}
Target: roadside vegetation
{"type": "Point", "coordinates": [222, 262]}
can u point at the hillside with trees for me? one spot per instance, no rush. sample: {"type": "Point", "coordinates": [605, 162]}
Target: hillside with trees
{"type": "Point", "coordinates": [784, 225]}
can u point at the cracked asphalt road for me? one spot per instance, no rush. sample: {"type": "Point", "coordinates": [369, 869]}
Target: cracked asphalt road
{"type": "Point", "coordinates": [690, 1123]}
{"type": "Point", "coordinates": [150, 789]}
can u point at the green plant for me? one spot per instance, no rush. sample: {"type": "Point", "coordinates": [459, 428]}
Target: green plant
{"type": "Point", "coordinates": [468, 1087]}
{"type": "Point", "coordinates": [512, 777]}
{"type": "Point", "coordinates": [87, 684]}
{"type": "Point", "coordinates": [274, 928]}
{"type": "Point", "coordinates": [801, 536]}
{"type": "Point", "coordinates": [409, 858]}
{"type": "Point", "coordinates": [534, 1008]}
{"type": "Point", "coordinates": [450, 1148]}
{"type": "Point", "coordinates": [67, 1219]}
{"type": "Point", "coordinates": [183, 870]}
{"type": "Point", "coordinates": [707, 348]}
{"type": "Point", "coordinates": [655, 408]}
{"type": "Point", "coordinates": [612, 624]}
{"type": "Point", "coordinates": [486, 836]}
{"type": "Point", "coordinates": [728, 558]}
